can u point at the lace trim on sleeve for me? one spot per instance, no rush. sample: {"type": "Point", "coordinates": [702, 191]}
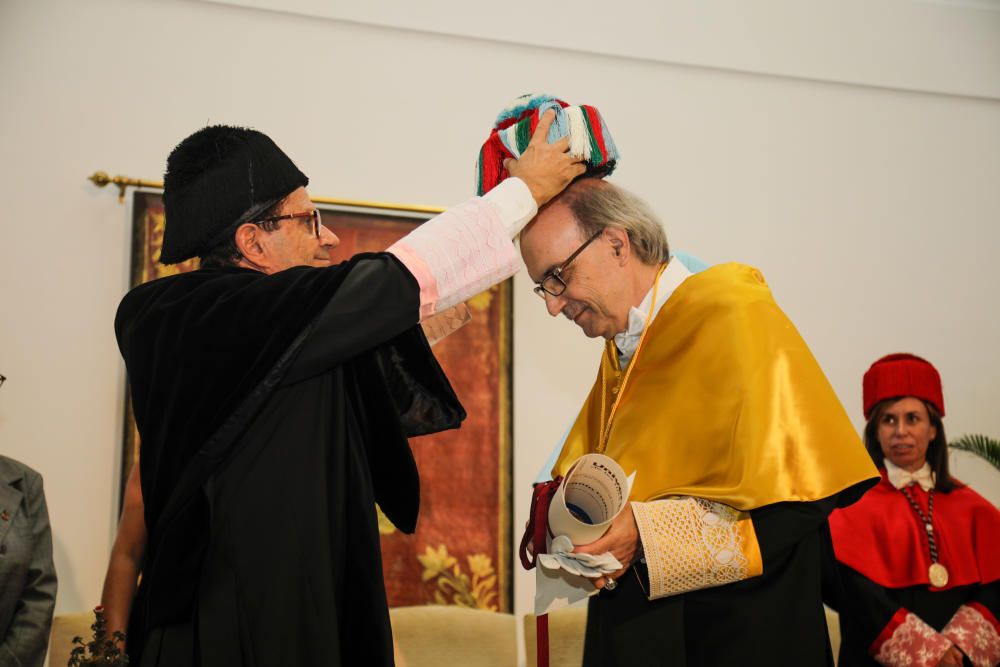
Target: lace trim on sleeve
{"type": "Point", "coordinates": [457, 255]}
{"type": "Point", "coordinates": [693, 543]}
{"type": "Point", "coordinates": [912, 643]}
{"type": "Point", "coordinates": [975, 635]}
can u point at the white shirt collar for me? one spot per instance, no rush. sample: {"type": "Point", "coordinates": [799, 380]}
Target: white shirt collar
{"type": "Point", "coordinates": [670, 280]}
{"type": "Point", "coordinates": [901, 478]}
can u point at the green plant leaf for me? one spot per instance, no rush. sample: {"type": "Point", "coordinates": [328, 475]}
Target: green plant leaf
{"type": "Point", "coordinates": [982, 446]}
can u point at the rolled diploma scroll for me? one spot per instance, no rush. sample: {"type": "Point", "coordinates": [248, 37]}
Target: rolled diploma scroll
{"type": "Point", "coordinates": [594, 492]}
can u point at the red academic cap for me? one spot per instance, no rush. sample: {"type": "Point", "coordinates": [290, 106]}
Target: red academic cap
{"type": "Point", "coordinates": [898, 375]}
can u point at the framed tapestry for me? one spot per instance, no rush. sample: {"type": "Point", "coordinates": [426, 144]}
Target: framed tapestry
{"type": "Point", "coordinates": [460, 553]}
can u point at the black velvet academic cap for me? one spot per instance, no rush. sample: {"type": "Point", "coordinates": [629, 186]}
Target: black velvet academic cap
{"type": "Point", "coordinates": [217, 176]}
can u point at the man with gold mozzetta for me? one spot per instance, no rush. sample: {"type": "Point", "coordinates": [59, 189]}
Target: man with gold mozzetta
{"type": "Point", "coordinates": [917, 573]}
{"type": "Point", "coordinates": [741, 449]}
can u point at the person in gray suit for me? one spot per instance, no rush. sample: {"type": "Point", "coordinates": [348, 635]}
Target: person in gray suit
{"type": "Point", "coordinates": [27, 575]}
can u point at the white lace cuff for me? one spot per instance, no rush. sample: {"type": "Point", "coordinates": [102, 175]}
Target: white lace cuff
{"type": "Point", "coordinates": [693, 543]}
{"type": "Point", "coordinates": [458, 254]}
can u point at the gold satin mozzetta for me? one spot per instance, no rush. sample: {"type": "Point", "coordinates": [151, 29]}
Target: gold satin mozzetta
{"type": "Point", "coordinates": [726, 402]}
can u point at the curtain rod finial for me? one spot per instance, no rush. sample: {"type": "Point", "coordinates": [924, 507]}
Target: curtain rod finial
{"type": "Point", "coordinates": [101, 178]}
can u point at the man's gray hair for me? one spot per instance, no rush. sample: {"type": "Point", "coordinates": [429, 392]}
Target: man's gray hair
{"type": "Point", "coordinates": [597, 204]}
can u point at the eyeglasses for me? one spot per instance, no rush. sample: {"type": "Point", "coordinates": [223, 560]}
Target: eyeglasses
{"type": "Point", "coordinates": [552, 282]}
{"type": "Point", "coordinates": [314, 217]}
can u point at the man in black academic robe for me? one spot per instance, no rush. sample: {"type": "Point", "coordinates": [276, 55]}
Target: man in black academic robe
{"type": "Point", "coordinates": [274, 395]}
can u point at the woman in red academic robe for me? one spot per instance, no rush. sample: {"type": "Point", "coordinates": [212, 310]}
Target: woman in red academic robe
{"type": "Point", "coordinates": [915, 572]}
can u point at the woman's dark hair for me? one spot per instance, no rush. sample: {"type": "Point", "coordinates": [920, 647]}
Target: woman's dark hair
{"type": "Point", "coordinates": [225, 253]}
{"type": "Point", "coordinates": [937, 450]}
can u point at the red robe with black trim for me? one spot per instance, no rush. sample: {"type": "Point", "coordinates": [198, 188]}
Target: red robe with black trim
{"type": "Point", "coordinates": [882, 557]}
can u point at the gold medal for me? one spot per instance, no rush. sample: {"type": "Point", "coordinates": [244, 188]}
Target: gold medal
{"type": "Point", "coordinates": [938, 575]}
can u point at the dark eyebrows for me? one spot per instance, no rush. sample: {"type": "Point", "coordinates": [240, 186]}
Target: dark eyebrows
{"type": "Point", "coordinates": [909, 414]}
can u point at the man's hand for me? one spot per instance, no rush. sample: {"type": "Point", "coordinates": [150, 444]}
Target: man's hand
{"type": "Point", "coordinates": [546, 168]}
{"type": "Point", "coordinates": [622, 540]}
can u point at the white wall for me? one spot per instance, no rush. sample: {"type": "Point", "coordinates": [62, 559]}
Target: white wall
{"type": "Point", "coordinates": [873, 212]}
{"type": "Point", "coordinates": [947, 46]}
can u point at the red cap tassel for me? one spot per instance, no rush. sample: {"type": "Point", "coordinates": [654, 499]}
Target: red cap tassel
{"type": "Point", "coordinates": [491, 170]}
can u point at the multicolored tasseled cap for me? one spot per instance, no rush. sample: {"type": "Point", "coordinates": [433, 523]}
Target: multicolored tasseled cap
{"type": "Point", "coordinates": [588, 136]}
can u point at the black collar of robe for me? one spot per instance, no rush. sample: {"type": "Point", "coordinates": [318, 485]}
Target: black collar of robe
{"type": "Point", "coordinates": [204, 350]}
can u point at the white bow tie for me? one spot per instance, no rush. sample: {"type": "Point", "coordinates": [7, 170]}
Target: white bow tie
{"type": "Point", "coordinates": [901, 478]}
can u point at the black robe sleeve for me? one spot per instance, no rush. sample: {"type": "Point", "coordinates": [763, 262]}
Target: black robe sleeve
{"type": "Point", "coordinates": [376, 308]}
{"type": "Point", "coordinates": [371, 326]}
{"type": "Point", "coordinates": [377, 301]}
{"type": "Point", "coordinates": [865, 608]}
{"type": "Point", "coordinates": [781, 526]}
{"type": "Point", "coordinates": [988, 595]}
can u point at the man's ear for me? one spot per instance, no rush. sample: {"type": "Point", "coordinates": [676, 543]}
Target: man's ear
{"type": "Point", "coordinates": [618, 238]}
{"type": "Point", "coordinates": [248, 242]}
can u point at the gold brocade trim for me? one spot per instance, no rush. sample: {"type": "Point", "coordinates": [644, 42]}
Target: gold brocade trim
{"type": "Point", "coordinates": [693, 543]}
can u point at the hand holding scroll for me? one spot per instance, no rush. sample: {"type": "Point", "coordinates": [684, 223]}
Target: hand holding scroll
{"type": "Point", "coordinates": [621, 540]}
